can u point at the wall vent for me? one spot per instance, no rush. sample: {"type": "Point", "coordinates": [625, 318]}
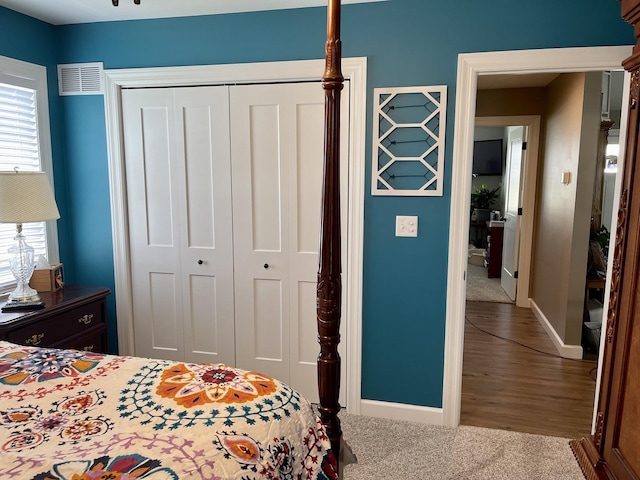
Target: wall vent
{"type": "Point", "coordinates": [81, 79]}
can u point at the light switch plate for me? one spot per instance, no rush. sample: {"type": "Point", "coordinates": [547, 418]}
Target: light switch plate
{"type": "Point", "coordinates": [406, 226]}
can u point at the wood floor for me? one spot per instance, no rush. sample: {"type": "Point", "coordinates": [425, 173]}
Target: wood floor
{"type": "Point", "coordinates": [510, 387]}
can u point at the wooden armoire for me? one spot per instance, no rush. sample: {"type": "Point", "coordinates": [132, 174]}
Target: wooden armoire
{"type": "Point", "coordinates": [613, 451]}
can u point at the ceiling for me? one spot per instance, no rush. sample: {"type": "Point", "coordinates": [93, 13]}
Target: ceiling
{"type": "Point", "coordinates": [486, 82]}
{"type": "Point", "coordinates": [515, 81]}
{"type": "Point", "coordinates": [61, 12]}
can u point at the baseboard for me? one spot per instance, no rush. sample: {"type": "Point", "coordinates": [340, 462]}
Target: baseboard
{"type": "Point", "coordinates": [566, 351]}
{"type": "Point", "coordinates": [593, 466]}
{"type": "Point", "coordinates": [402, 411]}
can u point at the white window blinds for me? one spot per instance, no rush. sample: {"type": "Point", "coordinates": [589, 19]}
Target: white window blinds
{"type": "Point", "coordinates": [19, 148]}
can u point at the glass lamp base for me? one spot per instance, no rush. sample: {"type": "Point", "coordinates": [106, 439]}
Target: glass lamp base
{"type": "Point", "coordinates": [21, 261]}
{"type": "Point", "coordinates": [24, 293]}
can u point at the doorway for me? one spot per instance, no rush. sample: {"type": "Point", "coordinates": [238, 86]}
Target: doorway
{"type": "Point", "coordinates": [572, 104]}
{"type": "Point", "coordinates": [526, 204]}
{"type": "Point", "coordinates": [470, 67]}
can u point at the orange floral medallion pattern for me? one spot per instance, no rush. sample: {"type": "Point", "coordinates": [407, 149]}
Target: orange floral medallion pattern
{"type": "Point", "coordinates": [191, 385]}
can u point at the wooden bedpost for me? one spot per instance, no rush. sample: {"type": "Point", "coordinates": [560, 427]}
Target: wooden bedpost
{"type": "Point", "coordinates": [329, 291]}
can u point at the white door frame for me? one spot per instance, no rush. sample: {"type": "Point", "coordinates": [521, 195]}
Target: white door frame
{"type": "Point", "coordinates": [558, 60]}
{"type": "Point", "coordinates": [354, 70]}
{"type": "Point", "coordinates": [532, 122]}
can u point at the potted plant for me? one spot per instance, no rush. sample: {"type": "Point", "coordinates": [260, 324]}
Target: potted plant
{"type": "Point", "coordinates": [482, 201]}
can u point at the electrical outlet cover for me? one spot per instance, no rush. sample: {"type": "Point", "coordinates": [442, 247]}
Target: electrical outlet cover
{"type": "Point", "coordinates": [406, 226]}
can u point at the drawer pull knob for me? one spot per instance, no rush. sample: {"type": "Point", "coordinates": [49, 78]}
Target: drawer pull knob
{"type": "Point", "coordinates": [88, 348]}
{"type": "Point", "coordinates": [86, 319]}
{"type": "Point", "coordinates": [35, 339]}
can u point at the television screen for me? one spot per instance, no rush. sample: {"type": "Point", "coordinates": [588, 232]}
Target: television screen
{"type": "Point", "coordinates": [487, 157]}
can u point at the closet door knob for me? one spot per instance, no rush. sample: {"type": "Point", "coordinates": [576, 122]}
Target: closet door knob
{"type": "Point", "coordinates": [200, 262]}
{"type": "Point", "coordinates": [266, 265]}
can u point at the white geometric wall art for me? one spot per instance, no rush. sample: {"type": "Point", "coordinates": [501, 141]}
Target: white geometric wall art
{"type": "Point", "coordinates": [408, 140]}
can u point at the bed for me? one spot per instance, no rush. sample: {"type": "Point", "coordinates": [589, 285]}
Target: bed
{"type": "Point", "coordinates": [67, 414]}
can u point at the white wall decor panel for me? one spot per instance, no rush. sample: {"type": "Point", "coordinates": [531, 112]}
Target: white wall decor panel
{"type": "Point", "coordinates": [408, 141]}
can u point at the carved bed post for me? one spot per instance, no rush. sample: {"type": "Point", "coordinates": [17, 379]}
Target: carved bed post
{"type": "Point", "coordinates": [329, 271]}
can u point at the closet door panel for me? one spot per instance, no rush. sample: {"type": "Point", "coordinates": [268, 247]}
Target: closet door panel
{"type": "Point", "coordinates": [277, 150]}
{"type": "Point", "coordinates": [165, 319]}
{"type": "Point", "coordinates": [153, 210]}
{"type": "Point", "coordinates": [202, 125]}
{"type": "Point", "coordinates": [268, 321]}
{"type": "Point", "coordinates": [179, 202]}
{"type": "Point", "coordinates": [306, 169]}
{"type": "Point", "coordinates": [260, 221]}
{"type": "Point", "coordinates": [267, 178]}
{"type": "Point", "coordinates": [205, 337]}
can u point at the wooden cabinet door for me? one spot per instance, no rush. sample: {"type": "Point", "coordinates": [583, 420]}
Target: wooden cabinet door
{"type": "Point", "coordinates": [613, 452]}
{"type": "Point", "coordinates": [617, 432]}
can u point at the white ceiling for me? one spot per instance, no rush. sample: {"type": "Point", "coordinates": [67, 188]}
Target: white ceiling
{"type": "Point", "coordinates": [61, 12]}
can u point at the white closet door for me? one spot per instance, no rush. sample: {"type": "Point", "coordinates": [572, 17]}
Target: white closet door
{"type": "Point", "coordinates": [179, 204]}
{"type": "Point", "coordinates": [277, 151]}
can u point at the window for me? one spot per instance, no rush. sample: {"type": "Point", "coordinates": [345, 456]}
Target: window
{"type": "Point", "coordinates": [25, 143]}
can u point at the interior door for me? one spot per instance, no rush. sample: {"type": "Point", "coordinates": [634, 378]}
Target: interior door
{"type": "Point", "coordinates": [513, 201]}
{"type": "Point", "coordinates": [179, 202]}
{"type": "Point", "coordinates": [277, 150]}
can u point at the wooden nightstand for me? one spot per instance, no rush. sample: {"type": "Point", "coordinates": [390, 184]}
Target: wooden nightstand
{"type": "Point", "coordinates": [74, 317]}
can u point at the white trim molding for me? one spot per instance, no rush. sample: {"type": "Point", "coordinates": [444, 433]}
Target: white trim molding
{"type": "Point", "coordinates": [470, 65]}
{"type": "Point", "coordinates": [402, 411]}
{"type": "Point", "coordinates": [566, 351]}
{"type": "Point", "coordinates": [354, 70]}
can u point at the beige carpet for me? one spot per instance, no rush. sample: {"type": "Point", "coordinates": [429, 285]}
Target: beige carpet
{"type": "Point", "coordinates": [483, 289]}
{"type": "Point", "coordinates": [388, 449]}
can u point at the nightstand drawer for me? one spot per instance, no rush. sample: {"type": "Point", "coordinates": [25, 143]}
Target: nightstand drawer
{"type": "Point", "coordinates": [81, 318]}
{"type": "Point", "coordinates": [53, 330]}
{"type": "Point", "coordinates": [93, 342]}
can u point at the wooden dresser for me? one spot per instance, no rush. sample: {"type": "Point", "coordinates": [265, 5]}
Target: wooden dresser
{"type": "Point", "coordinates": [74, 317]}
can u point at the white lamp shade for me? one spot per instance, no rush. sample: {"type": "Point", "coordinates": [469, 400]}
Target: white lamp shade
{"type": "Point", "coordinates": [26, 197]}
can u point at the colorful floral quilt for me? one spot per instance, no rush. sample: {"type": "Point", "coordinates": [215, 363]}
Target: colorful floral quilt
{"type": "Point", "coordinates": [67, 414]}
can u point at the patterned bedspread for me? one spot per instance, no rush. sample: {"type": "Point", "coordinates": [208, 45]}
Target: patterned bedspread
{"type": "Point", "coordinates": [67, 414]}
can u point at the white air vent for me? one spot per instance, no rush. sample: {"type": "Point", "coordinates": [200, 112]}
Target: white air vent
{"type": "Point", "coordinates": [81, 79]}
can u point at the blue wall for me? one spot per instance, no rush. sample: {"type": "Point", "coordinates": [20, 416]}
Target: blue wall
{"type": "Point", "coordinates": [407, 42]}
{"type": "Point", "coordinates": [30, 40]}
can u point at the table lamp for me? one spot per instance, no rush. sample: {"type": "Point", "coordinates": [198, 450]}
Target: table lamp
{"type": "Point", "coordinates": [25, 197]}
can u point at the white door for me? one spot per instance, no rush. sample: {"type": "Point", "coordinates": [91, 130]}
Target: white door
{"type": "Point", "coordinates": [277, 150]}
{"type": "Point", "coordinates": [179, 201]}
{"type": "Point", "coordinates": [511, 234]}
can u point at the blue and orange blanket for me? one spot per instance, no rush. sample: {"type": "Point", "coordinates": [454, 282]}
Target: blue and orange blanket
{"type": "Point", "coordinates": [67, 414]}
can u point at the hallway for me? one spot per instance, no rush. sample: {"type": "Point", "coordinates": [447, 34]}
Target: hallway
{"type": "Point", "coordinates": [511, 387]}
